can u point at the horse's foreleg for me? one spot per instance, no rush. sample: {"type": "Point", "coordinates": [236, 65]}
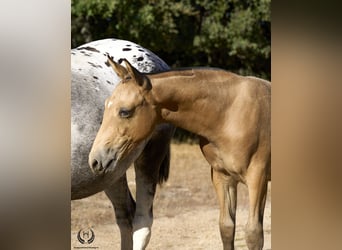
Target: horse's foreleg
{"type": "Point", "coordinates": [257, 189]}
{"type": "Point", "coordinates": [124, 207]}
{"type": "Point", "coordinates": [225, 187]}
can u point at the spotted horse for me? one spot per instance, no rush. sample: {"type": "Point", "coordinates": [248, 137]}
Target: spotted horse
{"type": "Point", "coordinates": [92, 81]}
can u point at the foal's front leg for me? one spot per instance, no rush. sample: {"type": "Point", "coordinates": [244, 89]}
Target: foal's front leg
{"type": "Point", "coordinates": [226, 190]}
{"type": "Point", "coordinates": [124, 207]}
{"type": "Point", "coordinates": [257, 190]}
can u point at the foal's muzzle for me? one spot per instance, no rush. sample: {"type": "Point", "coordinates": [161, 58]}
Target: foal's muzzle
{"type": "Point", "coordinates": [99, 163]}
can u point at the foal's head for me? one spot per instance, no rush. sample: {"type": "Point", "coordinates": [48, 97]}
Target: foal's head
{"type": "Point", "coordinates": [128, 121]}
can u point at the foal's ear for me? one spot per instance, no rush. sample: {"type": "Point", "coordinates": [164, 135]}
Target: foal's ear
{"type": "Point", "coordinates": [121, 71]}
{"type": "Point", "coordinates": [137, 76]}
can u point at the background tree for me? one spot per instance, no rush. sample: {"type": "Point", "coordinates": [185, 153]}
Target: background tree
{"type": "Point", "coordinates": [233, 34]}
{"type": "Point", "coordinates": [230, 34]}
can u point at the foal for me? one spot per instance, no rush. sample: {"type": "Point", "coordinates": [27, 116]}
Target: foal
{"type": "Point", "coordinates": [231, 115]}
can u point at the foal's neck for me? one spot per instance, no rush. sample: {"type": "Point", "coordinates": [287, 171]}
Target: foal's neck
{"type": "Point", "coordinates": [193, 99]}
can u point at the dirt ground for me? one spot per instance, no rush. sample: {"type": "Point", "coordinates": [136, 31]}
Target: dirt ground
{"type": "Point", "coordinates": [185, 210]}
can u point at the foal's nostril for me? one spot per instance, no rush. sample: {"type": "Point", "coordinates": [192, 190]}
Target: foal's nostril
{"type": "Point", "coordinates": [96, 166]}
{"type": "Point", "coordinates": [94, 163]}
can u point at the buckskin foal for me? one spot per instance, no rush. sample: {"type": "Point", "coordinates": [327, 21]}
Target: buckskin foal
{"type": "Point", "coordinates": [231, 115]}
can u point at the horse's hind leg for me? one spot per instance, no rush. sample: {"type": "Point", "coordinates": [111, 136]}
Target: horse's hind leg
{"type": "Point", "coordinates": [143, 219]}
{"type": "Point", "coordinates": [148, 168]}
{"type": "Point", "coordinates": [257, 189]}
{"type": "Point", "coordinates": [124, 207]}
{"type": "Point", "coordinates": [225, 187]}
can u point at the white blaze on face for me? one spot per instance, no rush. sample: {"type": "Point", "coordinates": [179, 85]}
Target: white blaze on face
{"type": "Point", "coordinates": [109, 104]}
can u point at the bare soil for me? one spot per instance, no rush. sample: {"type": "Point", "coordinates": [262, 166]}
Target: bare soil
{"type": "Point", "coordinates": [185, 210]}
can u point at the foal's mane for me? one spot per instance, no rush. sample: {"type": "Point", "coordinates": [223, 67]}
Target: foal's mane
{"type": "Point", "coordinates": [184, 72]}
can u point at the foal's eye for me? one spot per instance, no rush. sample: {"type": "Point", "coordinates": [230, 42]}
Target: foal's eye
{"type": "Point", "coordinates": [125, 113]}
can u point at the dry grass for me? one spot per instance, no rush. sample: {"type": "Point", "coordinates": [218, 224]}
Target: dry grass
{"type": "Point", "coordinates": [185, 209]}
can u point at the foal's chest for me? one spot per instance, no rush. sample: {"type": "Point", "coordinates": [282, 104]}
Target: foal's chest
{"type": "Point", "coordinates": [224, 162]}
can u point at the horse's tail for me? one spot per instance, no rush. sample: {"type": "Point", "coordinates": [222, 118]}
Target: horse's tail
{"type": "Point", "coordinates": [164, 169]}
{"type": "Point", "coordinates": [167, 132]}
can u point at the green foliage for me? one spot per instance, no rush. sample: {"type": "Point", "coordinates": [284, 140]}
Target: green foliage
{"type": "Point", "coordinates": [233, 34]}
{"type": "Point", "coordinates": [230, 34]}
